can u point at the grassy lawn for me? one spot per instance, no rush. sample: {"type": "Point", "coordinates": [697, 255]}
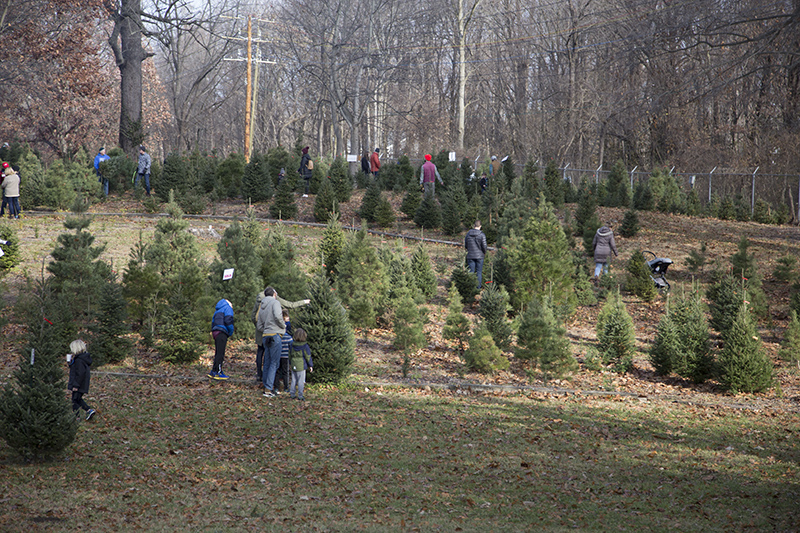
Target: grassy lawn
{"type": "Point", "coordinates": [172, 454]}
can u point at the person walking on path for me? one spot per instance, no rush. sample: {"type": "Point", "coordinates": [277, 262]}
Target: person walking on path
{"type": "Point", "coordinates": [79, 362]}
{"type": "Point", "coordinates": [285, 304]}
{"type": "Point", "coordinates": [375, 162]}
{"type": "Point", "coordinates": [10, 187]}
{"type": "Point", "coordinates": [299, 361]}
{"type": "Point", "coordinates": [428, 174]}
{"type": "Point", "coordinates": [306, 170]}
{"type": "Point", "coordinates": [603, 245]}
{"type": "Point", "coordinates": [143, 170]}
{"type": "Point", "coordinates": [475, 243]}
{"type": "Point", "coordinates": [221, 330]}
{"type": "Point", "coordinates": [99, 158]}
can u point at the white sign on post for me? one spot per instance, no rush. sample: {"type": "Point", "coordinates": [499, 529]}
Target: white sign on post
{"type": "Point", "coordinates": [352, 158]}
{"type": "Point", "coordinates": [452, 156]}
{"type": "Point", "coordinates": [227, 274]}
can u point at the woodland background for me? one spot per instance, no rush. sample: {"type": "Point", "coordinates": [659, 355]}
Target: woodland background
{"type": "Point", "coordinates": [694, 85]}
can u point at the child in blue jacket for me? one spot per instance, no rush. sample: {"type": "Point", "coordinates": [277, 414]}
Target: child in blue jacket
{"type": "Point", "coordinates": [221, 329]}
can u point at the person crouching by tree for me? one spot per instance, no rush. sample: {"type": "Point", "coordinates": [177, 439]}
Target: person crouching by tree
{"type": "Point", "coordinates": [79, 362]}
{"type": "Point", "coordinates": [299, 361]}
{"type": "Point", "coordinates": [221, 330]}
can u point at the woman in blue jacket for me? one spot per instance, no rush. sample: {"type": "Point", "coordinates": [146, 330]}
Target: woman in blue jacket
{"type": "Point", "coordinates": [221, 329]}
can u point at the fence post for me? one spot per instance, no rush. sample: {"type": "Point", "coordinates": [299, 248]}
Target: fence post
{"type": "Point", "coordinates": [564, 174]}
{"type": "Point", "coordinates": [753, 192]}
{"type": "Point", "coordinates": [798, 199]}
{"type": "Point", "coordinates": [632, 171]}
{"type": "Point", "coordinates": [709, 184]}
{"type": "Point", "coordinates": [597, 175]}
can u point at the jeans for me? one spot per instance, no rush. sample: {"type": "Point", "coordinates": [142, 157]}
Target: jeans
{"type": "Point", "coordinates": [272, 358]}
{"type": "Point", "coordinates": [13, 206]}
{"type": "Point", "coordinates": [298, 384]}
{"type": "Point", "coordinates": [476, 266]}
{"type": "Point", "coordinates": [600, 266]}
{"type": "Point", "coordinates": [146, 182]}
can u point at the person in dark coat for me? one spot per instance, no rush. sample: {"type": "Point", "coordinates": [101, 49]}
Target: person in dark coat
{"type": "Point", "coordinates": [79, 362]}
{"type": "Point", "coordinates": [603, 246]}
{"type": "Point", "coordinates": [221, 330]}
{"type": "Point", "coordinates": [306, 170]}
{"type": "Point", "coordinates": [365, 168]}
{"type": "Point", "coordinates": [475, 243]}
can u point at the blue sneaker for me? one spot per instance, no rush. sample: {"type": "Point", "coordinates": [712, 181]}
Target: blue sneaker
{"type": "Point", "coordinates": [213, 375]}
{"type": "Point", "coordinates": [220, 375]}
{"type": "Point", "coordinates": [90, 414]}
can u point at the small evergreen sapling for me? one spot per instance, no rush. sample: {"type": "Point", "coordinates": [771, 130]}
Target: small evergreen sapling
{"type": "Point", "coordinates": [11, 252]}
{"type": "Point", "coordinates": [283, 206]}
{"type": "Point", "coordinates": [325, 202]}
{"type": "Point", "coordinates": [630, 224]}
{"type": "Point", "coordinates": [370, 202]}
{"type": "Point", "coordinates": [429, 214]}
{"type": "Point", "coordinates": [666, 353]}
{"type": "Point", "coordinates": [616, 334]}
{"type": "Point", "coordinates": [466, 283]}
{"type": "Point", "coordinates": [697, 259]}
{"type": "Point", "coordinates": [111, 343]}
{"type": "Point", "coordinates": [493, 310]}
{"type": "Point", "coordinates": [790, 348]}
{"type": "Point", "coordinates": [411, 200]}
{"type": "Point", "coordinates": [744, 364]}
{"type": "Point", "coordinates": [456, 325]}
{"type": "Point", "coordinates": [639, 281]}
{"type": "Point", "coordinates": [332, 245]}
{"type": "Point", "coordinates": [542, 340]}
{"type": "Point", "coordinates": [423, 274]}
{"type": "Point", "coordinates": [408, 323]}
{"type": "Point", "coordinates": [482, 354]}
{"type": "Point", "coordinates": [785, 271]}
{"type": "Point", "coordinates": [362, 281]}
{"type": "Point", "coordinates": [384, 214]}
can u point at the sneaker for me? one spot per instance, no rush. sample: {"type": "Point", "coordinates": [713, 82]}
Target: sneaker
{"type": "Point", "coordinates": [305, 196]}
{"type": "Point", "coordinates": [302, 398]}
{"type": "Point", "coordinates": [269, 394]}
{"type": "Point", "coordinates": [213, 375]}
{"type": "Point", "coordinates": [90, 414]}
{"type": "Point", "coordinates": [220, 375]}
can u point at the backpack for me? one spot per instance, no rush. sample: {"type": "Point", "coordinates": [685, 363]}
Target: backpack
{"type": "Point", "coordinates": [310, 164]}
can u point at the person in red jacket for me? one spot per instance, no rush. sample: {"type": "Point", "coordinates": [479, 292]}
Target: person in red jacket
{"type": "Point", "coordinates": [375, 162]}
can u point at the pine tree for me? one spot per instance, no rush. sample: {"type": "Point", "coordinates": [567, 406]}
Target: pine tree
{"type": "Point", "coordinates": [330, 335]}
{"type": "Point", "coordinates": [283, 205]}
{"type": "Point", "coordinates": [340, 179]}
{"type": "Point", "coordinates": [745, 264]}
{"type": "Point", "coordinates": [174, 176]}
{"type": "Point", "coordinates": [493, 310]}
{"type": "Point", "coordinates": [256, 182]}
{"type": "Point", "coordinates": [451, 216]}
{"type": "Point", "coordinates": [482, 354]}
{"type": "Point", "coordinates": [362, 281]}
{"type": "Point", "coordinates": [744, 365]}
{"type": "Point", "coordinates": [542, 340]}
{"type": "Point", "coordinates": [639, 281]}
{"type": "Point", "coordinates": [790, 348]}
{"type": "Point", "coordinates": [616, 334]}
{"type": "Point", "coordinates": [236, 252]}
{"type": "Point", "coordinates": [409, 320]}
{"type": "Point", "coordinates": [141, 284]}
{"type": "Point", "coordinates": [11, 251]}
{"type": "Point", "coordinates": [325, 202]}
{"type": "Point", "coordinates": [666, 354]}
{"type": "Point", "coordinates": [110, 343]}
{"type": "Point", "coordinates": [36, 420]}
{"type": "Point", "coordinates": [531, 183]}
{"type": "Point", "coordinates": [725, 298]}
{"type": "Point", "coordinates": [179, 341]}
{"type": "Point", "coordinates": [696, 359]}
{"type": "Point", "coordinates": [465, 282]}
{"type": "Point", "coordinates": [552, 185]}
{"type": "Point", "coordinates": [617, 189]}
{"type": "Point", "coordinates": [509, 173]}
{"type": "Point", "coordinates": [697, 259]}
{"type": "Point", "coordinates": [370, 201]}
{"type": "Point", "coordinates": [424, 276]}
{"type": "Point", "coordinates": [411, 200]}
{"type": "Point", "coordinates": [384, 214]}
{"type": "Point", "coordinates": [587, 209]}
{"type": "Point", "coordinates": [229, 176]}
{"type": "Point", "coordinates": [429, 214]}
{"type": "Point", "coordinates": [456, 325]}
{"type": "Point", "coordinates": [785, 271]}
{"type": "Point", "coordinates": [332, 245]}
{"type": "Point", "coordinates": [630, 224]}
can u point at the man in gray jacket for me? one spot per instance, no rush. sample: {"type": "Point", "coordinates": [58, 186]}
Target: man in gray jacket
{"type": "Point", "coordinates": [143, 170]}
{"type": "Point", "coordinates": [285, 304]}
{"type": "Point", "coordinates": [475, 242]}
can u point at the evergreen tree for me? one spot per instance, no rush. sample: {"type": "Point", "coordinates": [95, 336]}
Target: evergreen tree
{"type": "Point", "coordinates": [616, 334]}
{"type": "Point", "coordinates": [639, 281]}
{"type": "Point", "coordinates": [587, 209]}
{"type": "Point", "coordinates": [362, 281]}
{"type": "Point", "coordinates": [278, 158]}
{"type": "Point", "coordinates": [516, 214]}
{"type": "Point", "coordinates": [256, 182]}
{"type": "Point", "coordinates": [370, 201]}
{"type": "Point", "coordinates": [423, 274]}
{"type": "Point", "coordinates": [174, 176]}
{"type": "Point", "coordinates": [744, 365]}
{"type": "Point", "coordinates": [542, 340]}
{"type": "Point", "coordinates": [785, 271]}
{"type": "Point", "coordinates": [509, 173]}
{"type": "Point", "coordinates": [111, 343]}
{"type": "Point", "coordinates": [493, 310]}
{"type": "Point", "coordinates": [790, 347]}
{"type": "Point", "coordinates": [330, 335]}
{"type": "Point", "coordinates": [229, 176]}
{"type": "Point", "coordinates": [465, 282]}
{"type": "Point", "coordinates": [283, 206]}
{"type": "Point", "coordinates": [408, 323]}
{"type": "Point", "coordinates": [76, 269]}
{"type": "Point", "coordinates": [666, 354]}
{"type": "Point", "coordinates": [643, 197]}
{"type": "Point", "coordinates": [141, 286]}
{"type": "Point", "coordinates": [451, 217]}
{"type": "Point", "coordinates": [405, 174]}
{"type": "Point", "coordinates": [236, 252]}
{"type": "Point", "coordinates": [179, 341]}
{"type": "Point", "coordinates": [531, 184]}
{"type": "Point", "coordinates": [36, 420]}
{"type": "Point", "coordinates": [618, 192]}
{"type": "Point", "coordinates": [584, 291]}
{"type": "Point", "coordinates": [696, 359]}
{"type": "Point", "coordinates": [589, 230]}
{"type": "Point", "coordinates": [630, 224]}
{"type": "Point", "coordinates": [552, 184]}
{"type": "Point", "coordinates": [456, 325]}
{"type": "Point", "coordinates": [697, 259]}
{"type": "Point", "coordinates": [482, 354]}
{"type": "Point", "coordinates": [429, 214]}
{"type": "Point", "coordinates": [384, 214]}
{"type": "Point", "coordinates": [332, 245]}
{"type": "Point", "coordinates": [325, 203]}
{"type": "Point", "coordinates": [411, 200]}
{"type": "Point", "coordinates": [11, 252]}
{"type": "Point", "coordinates": [693, 205]}
{"type": "Point", "coordinates": [745, 264]}
{"type": "Point", "coordinates": [540, 260]}
{"type": "Point", "coordinates": [725, 298]}
{"type": "Point", "coordinates": [340, 179]}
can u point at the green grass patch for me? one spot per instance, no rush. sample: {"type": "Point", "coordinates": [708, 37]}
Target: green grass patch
{"type": "Point", "coordinates": [196, 455]}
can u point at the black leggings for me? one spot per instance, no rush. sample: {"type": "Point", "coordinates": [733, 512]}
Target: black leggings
{"type": "Point", "coordinates": [220, 342]}
{"type": "Point", "coordinates": [78, 402]}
